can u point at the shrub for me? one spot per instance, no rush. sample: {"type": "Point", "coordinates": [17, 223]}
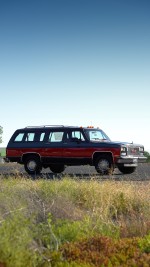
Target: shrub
{"type": "Point", "coordinates": [37, 217]}
{"type": "Point", "coordinates": [144, 244]}
{"type": "Point", "coordinates": [104, 251]}
{"type": "Point", "coordinates": [16, 243]}
{"type": "Point", "coordinates": [147, 154]}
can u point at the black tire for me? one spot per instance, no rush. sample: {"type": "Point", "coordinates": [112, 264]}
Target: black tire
{"type": "Point", "coordinates": [127, 170]}
{"type": "Point", "coordinates": [57, 168]}
{"type": "Point", "coordinates": [32, 165]}
{"type": "Point", "coordinates": [104, 165]}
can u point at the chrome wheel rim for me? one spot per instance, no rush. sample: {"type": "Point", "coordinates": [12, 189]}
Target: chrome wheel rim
{"type": "Point", "coordinates": [103, 165]}
{"type": "Point", "coordinates": [31, 165]}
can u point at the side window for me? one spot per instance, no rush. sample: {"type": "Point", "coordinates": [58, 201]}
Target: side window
{"type": "Point", "coordinates": [39, 136]}
{"type": "Point", "coordinates": [75, 136]}
{"type": "Point", "coordinates": [29, 137]}
{"type": "Point", "coordinates": [19, 137]}
{"type": "Point", "coordinates": [55, 137]}
{"type": "Point", "coordinates": [78, 134]}
{"type": "Point", "coordinates": [42, 137]}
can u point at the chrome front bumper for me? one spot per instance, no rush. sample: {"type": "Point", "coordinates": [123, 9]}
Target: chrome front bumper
{"type": "Point", "coordinates": [128, 161]}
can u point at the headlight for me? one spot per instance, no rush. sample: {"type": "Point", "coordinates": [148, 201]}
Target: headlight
{"type": "Point", "coordinates": [141, 150]}
{"type": "Point", "coordinates": [123, 151]}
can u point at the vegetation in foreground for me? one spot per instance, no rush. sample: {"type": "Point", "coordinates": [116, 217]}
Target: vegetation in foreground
{"type": "Point", "coordinates": [74, 223]}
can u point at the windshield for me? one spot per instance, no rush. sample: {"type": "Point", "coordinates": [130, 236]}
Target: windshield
{"type": "Point", "coordinates": [96, 135]}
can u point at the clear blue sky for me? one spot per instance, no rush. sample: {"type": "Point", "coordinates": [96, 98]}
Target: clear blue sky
{"type": "Point", "coordinates": [76, 62]}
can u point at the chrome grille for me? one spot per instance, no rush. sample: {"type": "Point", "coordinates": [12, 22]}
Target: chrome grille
{"type": "Point", "coordinates": [133, 151]}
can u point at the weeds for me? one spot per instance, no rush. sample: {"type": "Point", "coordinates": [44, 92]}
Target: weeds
{"type": "Point", "coordinates": [38, 217]}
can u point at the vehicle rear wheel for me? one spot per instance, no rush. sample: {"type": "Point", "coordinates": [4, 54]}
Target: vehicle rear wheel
{"type": "Point", "coordinates": [104, 165]}
{"type": "Point", "coordinates": [32, 165]}
{"type": "Point", "coordinates": [57, 168]}
{"type": "Point", "coordinates": [127, 170]}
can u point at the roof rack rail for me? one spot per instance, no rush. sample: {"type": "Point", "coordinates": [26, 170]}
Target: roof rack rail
{"type": "Point", "coordinates": [43, 126]}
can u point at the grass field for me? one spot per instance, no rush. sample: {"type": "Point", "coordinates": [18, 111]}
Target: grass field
{"type": "Point", "coordinates": [74, 223]}
{"type": "Point", "coordinates": [2, 151]}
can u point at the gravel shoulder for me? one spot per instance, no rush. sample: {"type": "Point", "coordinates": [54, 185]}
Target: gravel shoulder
{"type": "Point", "coordinates": [142, 172]}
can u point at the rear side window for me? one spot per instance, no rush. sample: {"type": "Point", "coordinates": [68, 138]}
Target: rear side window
{"type": "Point", "coordinates": [42, 135]}
{"type": "Point", "coordinates": [37, 137]}
{"type": "Point", "coordinates": [55, 137]}
{"type": "Point", "coordinates": [19, 137]}
{"type": "Point", "coordinates": [34, 137]}
{"type": "Point", "coordinates": [29, 137]}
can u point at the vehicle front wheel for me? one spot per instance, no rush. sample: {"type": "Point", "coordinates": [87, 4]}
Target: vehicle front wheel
{"type": "Point", "coordinates": [127, 170]}
{"type": "Point", "coordinates": [104, 165]}
{"type": "Point", "coordinates": [32, 165]}
{"type": "Point", "coordinates": [57, 168]}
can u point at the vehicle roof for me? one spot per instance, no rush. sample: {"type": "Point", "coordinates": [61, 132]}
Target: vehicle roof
{"type": "Point", "coordinates": [43, 127]}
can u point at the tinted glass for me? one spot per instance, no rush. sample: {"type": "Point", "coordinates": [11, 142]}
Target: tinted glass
{"type": "Point", "coordinates": [29, 137]}
{"type": "Point", "coordinates": [78, 134]}
{"type": "Point", "coordinates": [42, 137]}
{"type": "Point", "coordinates": [55, 137]}
{"type": "Point", "coordinates": [19, 137]}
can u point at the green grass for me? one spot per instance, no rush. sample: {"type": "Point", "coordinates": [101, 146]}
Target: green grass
{"type": "Point", "coordinates": [2, 152]}
{"type": "Point", "coordinates": [147, 154]}
{"type": "Point", "coordinates": [40, 218]}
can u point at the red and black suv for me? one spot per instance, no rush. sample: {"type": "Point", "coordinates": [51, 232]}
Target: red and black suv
{"type": "Point", "coordinates": [59, 146]}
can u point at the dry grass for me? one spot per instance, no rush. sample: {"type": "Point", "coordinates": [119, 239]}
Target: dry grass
{"type": "Point", "coordinates": [37, 216]}
{"type": "Point", "coordinates": [124, 204]}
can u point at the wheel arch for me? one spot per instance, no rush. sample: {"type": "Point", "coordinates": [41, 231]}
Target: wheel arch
{"type": "Point", "coordinates": [97, 154]}
{"type": "Point", "coordinates": [29, 154]}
